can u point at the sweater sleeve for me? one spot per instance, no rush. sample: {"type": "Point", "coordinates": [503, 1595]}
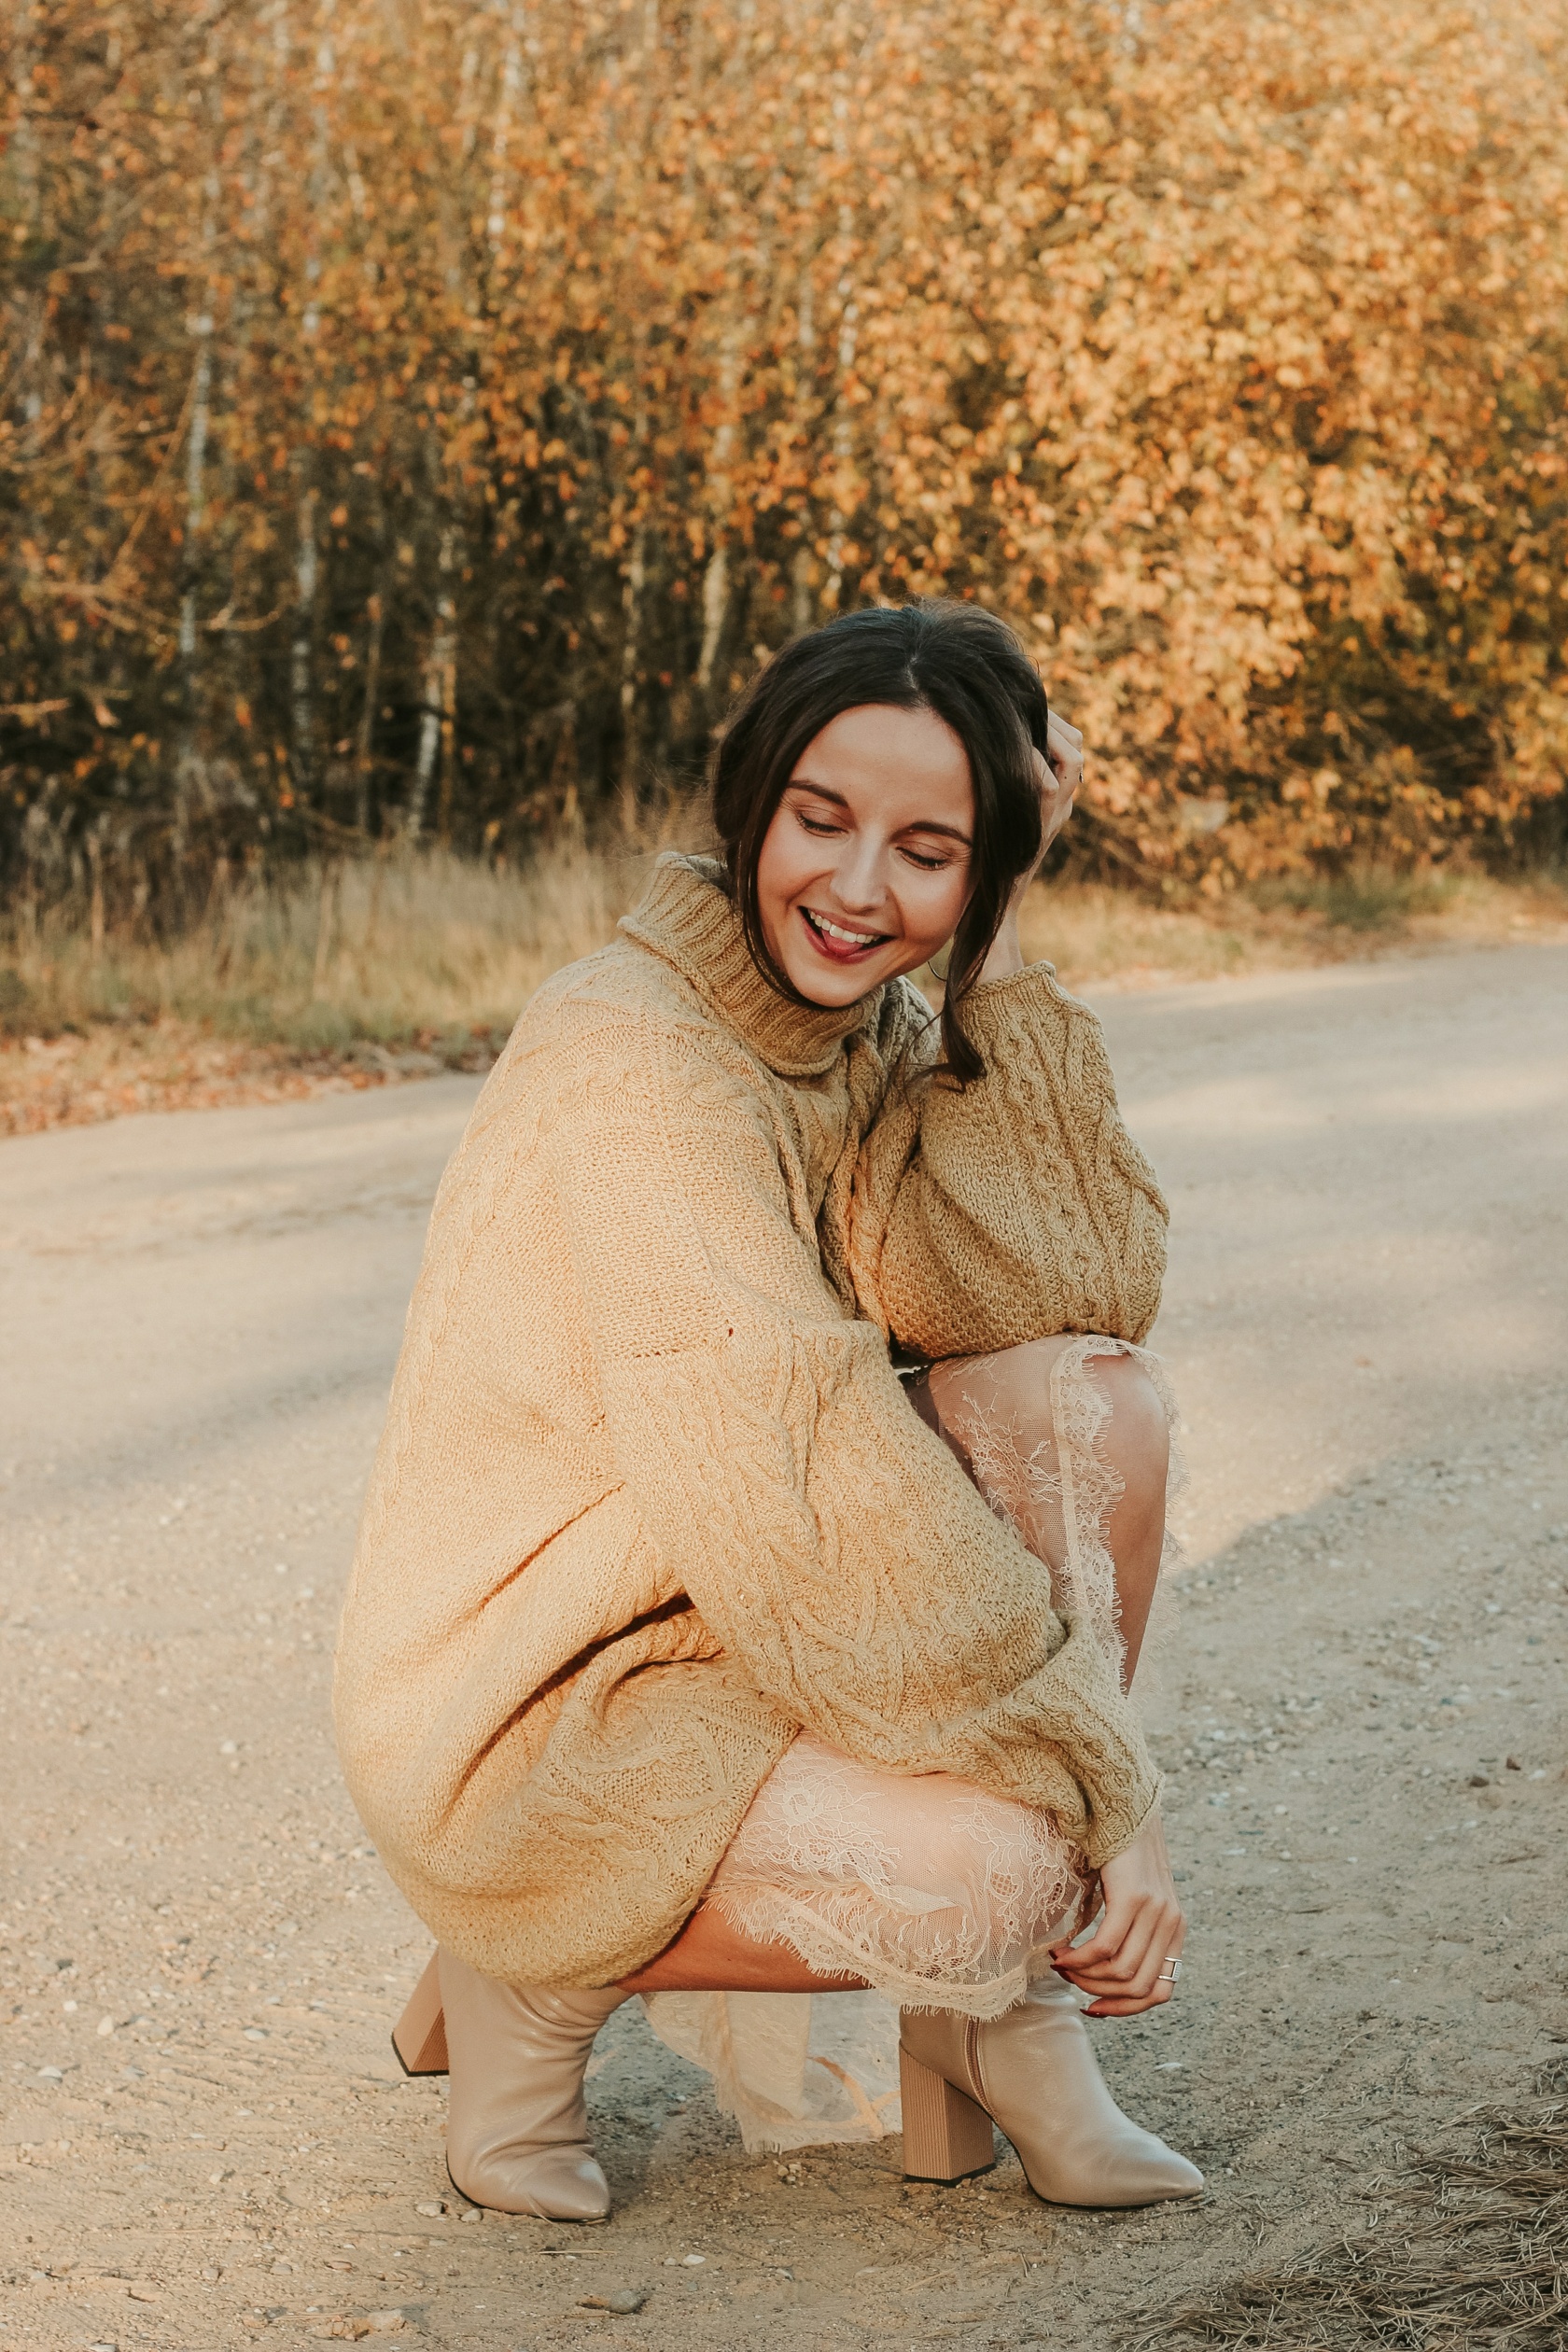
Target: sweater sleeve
{"type": "Point", "coordinates": [1017, 1207]}
{"type": "Point", "coordinates": [829, 1540]}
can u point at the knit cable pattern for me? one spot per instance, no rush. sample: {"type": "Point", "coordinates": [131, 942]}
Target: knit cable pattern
{"type": "Point", "coordinates": [650, 1502]}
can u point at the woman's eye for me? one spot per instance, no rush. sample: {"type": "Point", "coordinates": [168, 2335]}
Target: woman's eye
{"type": "Point", "coordinates": [927, 866]}
{"type": "Point", "coordinates": [816, 824]}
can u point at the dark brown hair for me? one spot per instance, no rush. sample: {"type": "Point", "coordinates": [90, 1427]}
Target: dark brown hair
{"type": "Point", "coordinates": [955, 659]}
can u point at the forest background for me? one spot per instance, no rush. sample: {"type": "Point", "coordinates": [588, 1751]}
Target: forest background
{"type": "Point", "coordinates": [420, 417]}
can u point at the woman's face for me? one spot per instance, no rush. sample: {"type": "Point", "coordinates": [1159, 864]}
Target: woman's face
{"type": "Point", "coordinates": [865, 868]}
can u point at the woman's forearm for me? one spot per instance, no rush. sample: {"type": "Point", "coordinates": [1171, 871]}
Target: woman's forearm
{"type": "Point", "coordinates": [1017, 1206]}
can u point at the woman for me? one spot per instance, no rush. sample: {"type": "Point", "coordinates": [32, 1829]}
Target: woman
{"type": "Point", "coordinates": [687, 1646]}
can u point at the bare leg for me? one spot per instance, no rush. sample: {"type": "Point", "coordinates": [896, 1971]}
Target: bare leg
{"type": "Point", "coordinates": [968, 1402]}
{"type": "Point", "coordinates": [709, 1955]}
{"type": "Point", "coordinates": [1137, 1444]}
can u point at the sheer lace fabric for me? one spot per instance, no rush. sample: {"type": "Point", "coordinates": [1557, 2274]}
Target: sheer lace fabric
{"type": "Point", "coordinates": [1047, 1473]}
{"type": "Point", "coordinates": [938, 1894]}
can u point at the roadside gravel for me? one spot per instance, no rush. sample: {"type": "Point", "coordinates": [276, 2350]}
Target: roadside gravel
{"type": "Point", "coordinates": [206, 2139]}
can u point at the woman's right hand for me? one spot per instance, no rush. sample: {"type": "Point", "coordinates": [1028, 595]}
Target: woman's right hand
{"type": "Point", "coordinates": [1140, 1928]}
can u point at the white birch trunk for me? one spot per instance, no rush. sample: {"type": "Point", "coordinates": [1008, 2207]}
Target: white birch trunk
{"type": "Point", "coordinates": [634, 595]}
{"type": "Point", "coordinates": [187, 759]}
{"type": "Point", "coordinates": [849, 317]}
{"type": "Point", "coordinates": [803, 566]}
{"type": "Point", "coordinates": [739, 337]}
{"type": "Point", "coordinates": [631, 654]}
{"type": "Point", "coordinates": [189, 766]}
{"type": "Point", "coordinates": [716, 578]}
{"type": "Point", "coordinates": [363, 749]}
{"type": "Point", "coordinates": [514, 18]}
{"type": "Point", "coordinates": [439, 695]}
{"type": "Point", "coordinates": [301, 653]}
{"type": "Point", "coordinates": [28, 167]}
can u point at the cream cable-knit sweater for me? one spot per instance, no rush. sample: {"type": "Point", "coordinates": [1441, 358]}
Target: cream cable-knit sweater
{"type": "Point", "coordinates": [649, 1498]}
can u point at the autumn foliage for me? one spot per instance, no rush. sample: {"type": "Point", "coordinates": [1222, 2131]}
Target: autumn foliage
{"type": "Point", "coordinates": [420, 417]}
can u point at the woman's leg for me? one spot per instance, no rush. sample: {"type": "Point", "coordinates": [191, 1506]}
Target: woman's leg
{"type": "Point", "coordinates": [709, 1955]}
{"type": "Point", "coordinates": [949, 1897]}
{"type": "Point", "coordinates": [1137, 1447]}
{"type": "Point", "coordinates": [1099, 1488]}
{"type": "Point", "coordinates": [1071, 1492]}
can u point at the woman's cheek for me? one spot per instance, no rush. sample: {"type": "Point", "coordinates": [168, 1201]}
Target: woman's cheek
{"type": "Point", "coordinates": [941, 910]}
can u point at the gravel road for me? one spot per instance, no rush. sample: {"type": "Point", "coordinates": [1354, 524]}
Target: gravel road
{"type": "Point", "coordinates": [206, 2139]}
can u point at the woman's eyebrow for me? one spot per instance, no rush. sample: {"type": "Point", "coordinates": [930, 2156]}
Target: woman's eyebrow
{"type": "Point", "coordinates": [920, 824]}
{"type": "Point", "coordinates": [930, 824]}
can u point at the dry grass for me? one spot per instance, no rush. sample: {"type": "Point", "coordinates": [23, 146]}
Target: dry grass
{"type": "Point", "coordinates": [1099, 937]}
{"type": "Point", "coordinates": [354, 975]}
{"type": "Point", "coordinates": [385, 950]}
{"type": "Point", "coordinates": [1467, 2252]}
{"type": "Point", "coordinates": [393, 967]}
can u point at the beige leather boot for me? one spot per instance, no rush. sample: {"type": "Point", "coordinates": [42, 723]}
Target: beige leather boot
{"type": "Point", "coordinates": [516, 2126]}
{"type": "Point", "coordinates": [1033, 2073]}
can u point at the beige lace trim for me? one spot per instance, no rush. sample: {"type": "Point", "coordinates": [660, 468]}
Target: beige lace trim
{"type": "Point", "coordinates": [935, 1892]}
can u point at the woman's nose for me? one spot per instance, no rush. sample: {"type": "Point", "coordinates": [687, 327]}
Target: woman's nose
{"type": "Point", "coordinates": [859, 879]}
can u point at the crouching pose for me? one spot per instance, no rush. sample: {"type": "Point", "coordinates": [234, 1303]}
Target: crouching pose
{"type": "Point", "coordinates": [772, 1490]}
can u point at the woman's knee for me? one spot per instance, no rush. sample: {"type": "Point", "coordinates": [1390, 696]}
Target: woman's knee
{"type": "Point", "coordinates": [1136, 1439]}
{"type": "Point", "coordinates": [1135, 1436]}
{"type": "Point", "coordinates": [1009, 1389]}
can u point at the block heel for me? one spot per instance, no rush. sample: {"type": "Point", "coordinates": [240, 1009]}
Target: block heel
{"type": "Point", "coordinates": [419, 2036]}
{"type": "Point", "coordinates": [947, 2137]}
{"type": "Point", "coordinates": [1032, 2072]}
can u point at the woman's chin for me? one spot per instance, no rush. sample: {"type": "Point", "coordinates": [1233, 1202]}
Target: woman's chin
{"type": "Point", "coordinates": [833, 986]}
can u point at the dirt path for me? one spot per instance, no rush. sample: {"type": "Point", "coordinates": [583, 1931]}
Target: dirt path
{"type": "Point", "coordinates": [206, 2139]}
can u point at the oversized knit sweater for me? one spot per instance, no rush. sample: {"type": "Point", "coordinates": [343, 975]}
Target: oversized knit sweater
{"type": "Point", "coordinates": [651, 1498]}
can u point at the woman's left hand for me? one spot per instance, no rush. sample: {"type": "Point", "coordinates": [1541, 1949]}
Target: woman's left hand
{"type": "Point", "coordinates": [1064, 756]}
{"type": "Point", "coordinates": [1140, 1928]}
{"type": "Point", "coordinates": [1058, 771]}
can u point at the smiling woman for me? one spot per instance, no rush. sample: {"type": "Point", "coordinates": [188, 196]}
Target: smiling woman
{"type": "Point", "coordinates": [866, 864]}
{"type": "Point", "coordinates": [774, 1487]}
{"type": "Point", "coordinates": [880, 791]}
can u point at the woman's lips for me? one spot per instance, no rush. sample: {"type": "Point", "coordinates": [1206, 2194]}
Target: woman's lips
{"type": "Point", "coordinates": [840, 949]}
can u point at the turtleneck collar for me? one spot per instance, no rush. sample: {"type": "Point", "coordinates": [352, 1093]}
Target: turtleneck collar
{"type": "Point", "coordinates": [687, 917]}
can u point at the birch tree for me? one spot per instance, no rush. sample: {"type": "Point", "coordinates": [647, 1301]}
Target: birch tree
{"type": "Point", "coordinates": [416, 419]}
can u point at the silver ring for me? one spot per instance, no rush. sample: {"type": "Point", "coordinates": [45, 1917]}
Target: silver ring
{"type": "Point", "coordinates": [1171, 1972]}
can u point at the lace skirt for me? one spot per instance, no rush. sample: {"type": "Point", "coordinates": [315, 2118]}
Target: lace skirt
{"type": "Point", "coordinates": [938, 1894]}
